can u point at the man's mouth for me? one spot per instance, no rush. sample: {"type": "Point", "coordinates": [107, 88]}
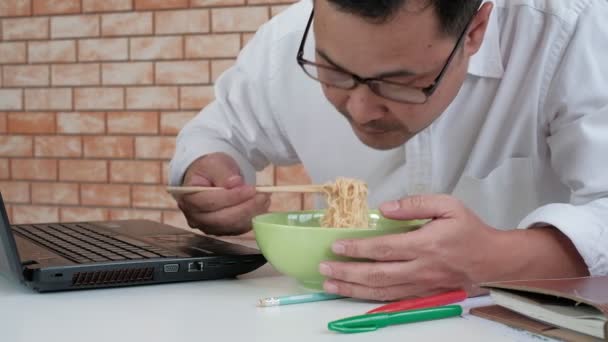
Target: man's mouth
{"type": "Point", "coordinates": [372, 127]}
{"type": "Point", "coordinates": [371, 130]}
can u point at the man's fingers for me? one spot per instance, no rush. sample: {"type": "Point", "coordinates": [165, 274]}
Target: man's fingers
{"type": "Point", "coordinates": [219, 169]}
{"type": "Point", "coordinates": [386, 280]}
{"type": "Point", "coordinates": [387, 293]}
{"type": "Point", "coordinates": [421, 207]}
{"type": "Point", "coordinates": [214, 200]}
{"type": "Point", "coordinates": [393, 247]}
{"type": "Point", "coordinates": [369, 274]}
{"type": "Point", "coordinates": [232, 182]}
{"type": "Point", "coordinates": [197, 180]}
{"type": "Point", "coordinates": [227, 210]}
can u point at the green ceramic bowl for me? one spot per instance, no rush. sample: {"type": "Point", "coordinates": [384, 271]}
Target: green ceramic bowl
{"type": "Point", "coordinates": [295, 244]}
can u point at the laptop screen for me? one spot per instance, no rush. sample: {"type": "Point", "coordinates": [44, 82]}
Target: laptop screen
{"type": "Point", "coordinates": [10, 265]}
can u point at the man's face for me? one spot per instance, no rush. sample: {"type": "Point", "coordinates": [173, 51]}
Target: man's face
{"type": "Point", "coordinates": [409, 49]}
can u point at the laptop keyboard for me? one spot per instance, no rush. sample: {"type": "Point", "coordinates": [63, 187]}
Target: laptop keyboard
{"type": "Point", "coordinates": [82, 243]}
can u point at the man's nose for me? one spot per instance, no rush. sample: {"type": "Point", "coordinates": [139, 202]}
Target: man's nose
{"type": "Point", "coordinates": [365, 106]}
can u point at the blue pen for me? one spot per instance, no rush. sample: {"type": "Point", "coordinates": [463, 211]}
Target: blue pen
{"type": "Point", "coordinates": [371, 322]}
{"type": "Point", "coordinates": [297, 299]}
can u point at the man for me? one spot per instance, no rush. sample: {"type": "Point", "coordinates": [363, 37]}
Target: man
{"type": "Point", "coordinates": [485, 117]}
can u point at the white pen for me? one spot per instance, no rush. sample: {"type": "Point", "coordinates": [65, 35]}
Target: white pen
{"type": "Point", "coordinates": [297, 299]}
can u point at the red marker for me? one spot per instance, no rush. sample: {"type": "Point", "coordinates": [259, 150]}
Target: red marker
{"type": "Point", "coordinates": [424, 302]}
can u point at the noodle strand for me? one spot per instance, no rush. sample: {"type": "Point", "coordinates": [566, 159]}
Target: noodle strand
{"type": "Point", "coordinates": [347, 204]}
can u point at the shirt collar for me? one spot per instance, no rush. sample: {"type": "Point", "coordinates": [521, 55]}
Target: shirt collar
{"type": "Point", "coordinates": [487, 62]}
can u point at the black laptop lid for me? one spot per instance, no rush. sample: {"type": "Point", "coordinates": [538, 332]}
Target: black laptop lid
{"type": "Point", "coordinates": [9, 258]}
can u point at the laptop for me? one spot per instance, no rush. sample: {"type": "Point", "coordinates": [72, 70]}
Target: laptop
{"type": "Point", "coordinates": [88, 255]}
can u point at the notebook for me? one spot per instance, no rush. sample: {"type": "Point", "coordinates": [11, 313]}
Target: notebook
{"type": "Point", "coordinates": [90, 255]}
{"type": "Point", "coordinates": [569, 309]}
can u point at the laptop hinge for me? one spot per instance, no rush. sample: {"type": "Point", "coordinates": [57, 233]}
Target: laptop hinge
{"type": "Point", "coordinates": [28, 262]}
{"type": "Point", "coordinates": [28, 274]}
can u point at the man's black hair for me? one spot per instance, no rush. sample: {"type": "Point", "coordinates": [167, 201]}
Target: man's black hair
{"type": "Point", "coordinates": [453, 14]}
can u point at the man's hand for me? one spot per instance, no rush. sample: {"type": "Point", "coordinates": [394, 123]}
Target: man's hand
{"type": "Point", "coordinates": [449, 252]}
{"type": "Point", "coordinates": [222, 212]}
{"type": "Point", "coordinates": [456, 250]}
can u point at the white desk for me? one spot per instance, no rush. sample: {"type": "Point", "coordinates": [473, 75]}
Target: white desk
{"type": "Point", "coordinates": [222, 310]}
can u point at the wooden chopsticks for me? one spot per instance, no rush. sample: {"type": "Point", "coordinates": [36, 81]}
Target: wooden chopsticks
{"type": "Point", "coordinates": [182, 190]}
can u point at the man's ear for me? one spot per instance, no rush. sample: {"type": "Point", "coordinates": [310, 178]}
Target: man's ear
{"type": "Point", "coordinates": [477, 29]}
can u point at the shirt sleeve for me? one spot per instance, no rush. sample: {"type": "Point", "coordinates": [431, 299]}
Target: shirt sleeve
{"type": "Point", "coordinates": [240, 121]}
{"type": "Point", "coordinates": [577, 119]}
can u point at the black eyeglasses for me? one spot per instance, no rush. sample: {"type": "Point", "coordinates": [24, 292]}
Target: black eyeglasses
{"type": "Point", "coordinates": [394, 91]}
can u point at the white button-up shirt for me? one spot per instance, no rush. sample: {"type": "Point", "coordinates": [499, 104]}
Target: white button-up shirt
{"type": "Point", "coordinates": [525, 141]}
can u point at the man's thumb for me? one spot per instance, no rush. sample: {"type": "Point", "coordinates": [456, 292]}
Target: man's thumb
{"type": "Point", "coordinates": [217, 169]}
{"type": "Point", "coordinates": [198, 180]}
{"type": "Point", "coordinates": [419, 207]}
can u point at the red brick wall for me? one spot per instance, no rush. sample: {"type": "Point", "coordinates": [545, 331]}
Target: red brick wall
{"type": "Point", "coordinates": [93, 92]}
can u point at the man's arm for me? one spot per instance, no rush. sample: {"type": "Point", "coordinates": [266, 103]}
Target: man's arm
{"type": "Point", "coordinates": [577, 117]}
{"type": "Point", "coordinates": [542, 252]}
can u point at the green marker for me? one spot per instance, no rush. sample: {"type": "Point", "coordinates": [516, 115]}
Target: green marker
{"type": "Point", "coordinates": [371, 322]}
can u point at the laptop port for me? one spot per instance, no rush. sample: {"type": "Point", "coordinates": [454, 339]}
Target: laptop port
{"type": "Point", "coordinates": [196, 266]}
{"type": "Point", "coordinates": [171, 268]}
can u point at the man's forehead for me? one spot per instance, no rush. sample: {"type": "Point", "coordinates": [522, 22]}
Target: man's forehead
{"type": "Point", "coordinates": [411, 41]}
{"type": "Point", "coordinates": [415, 14]}
{"type": "Point", "coordinates": [374, 15]}
{"type": "Point", "coordinates": [408, 5]}
{"type": "Point", "coordinates": [406, 29]}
